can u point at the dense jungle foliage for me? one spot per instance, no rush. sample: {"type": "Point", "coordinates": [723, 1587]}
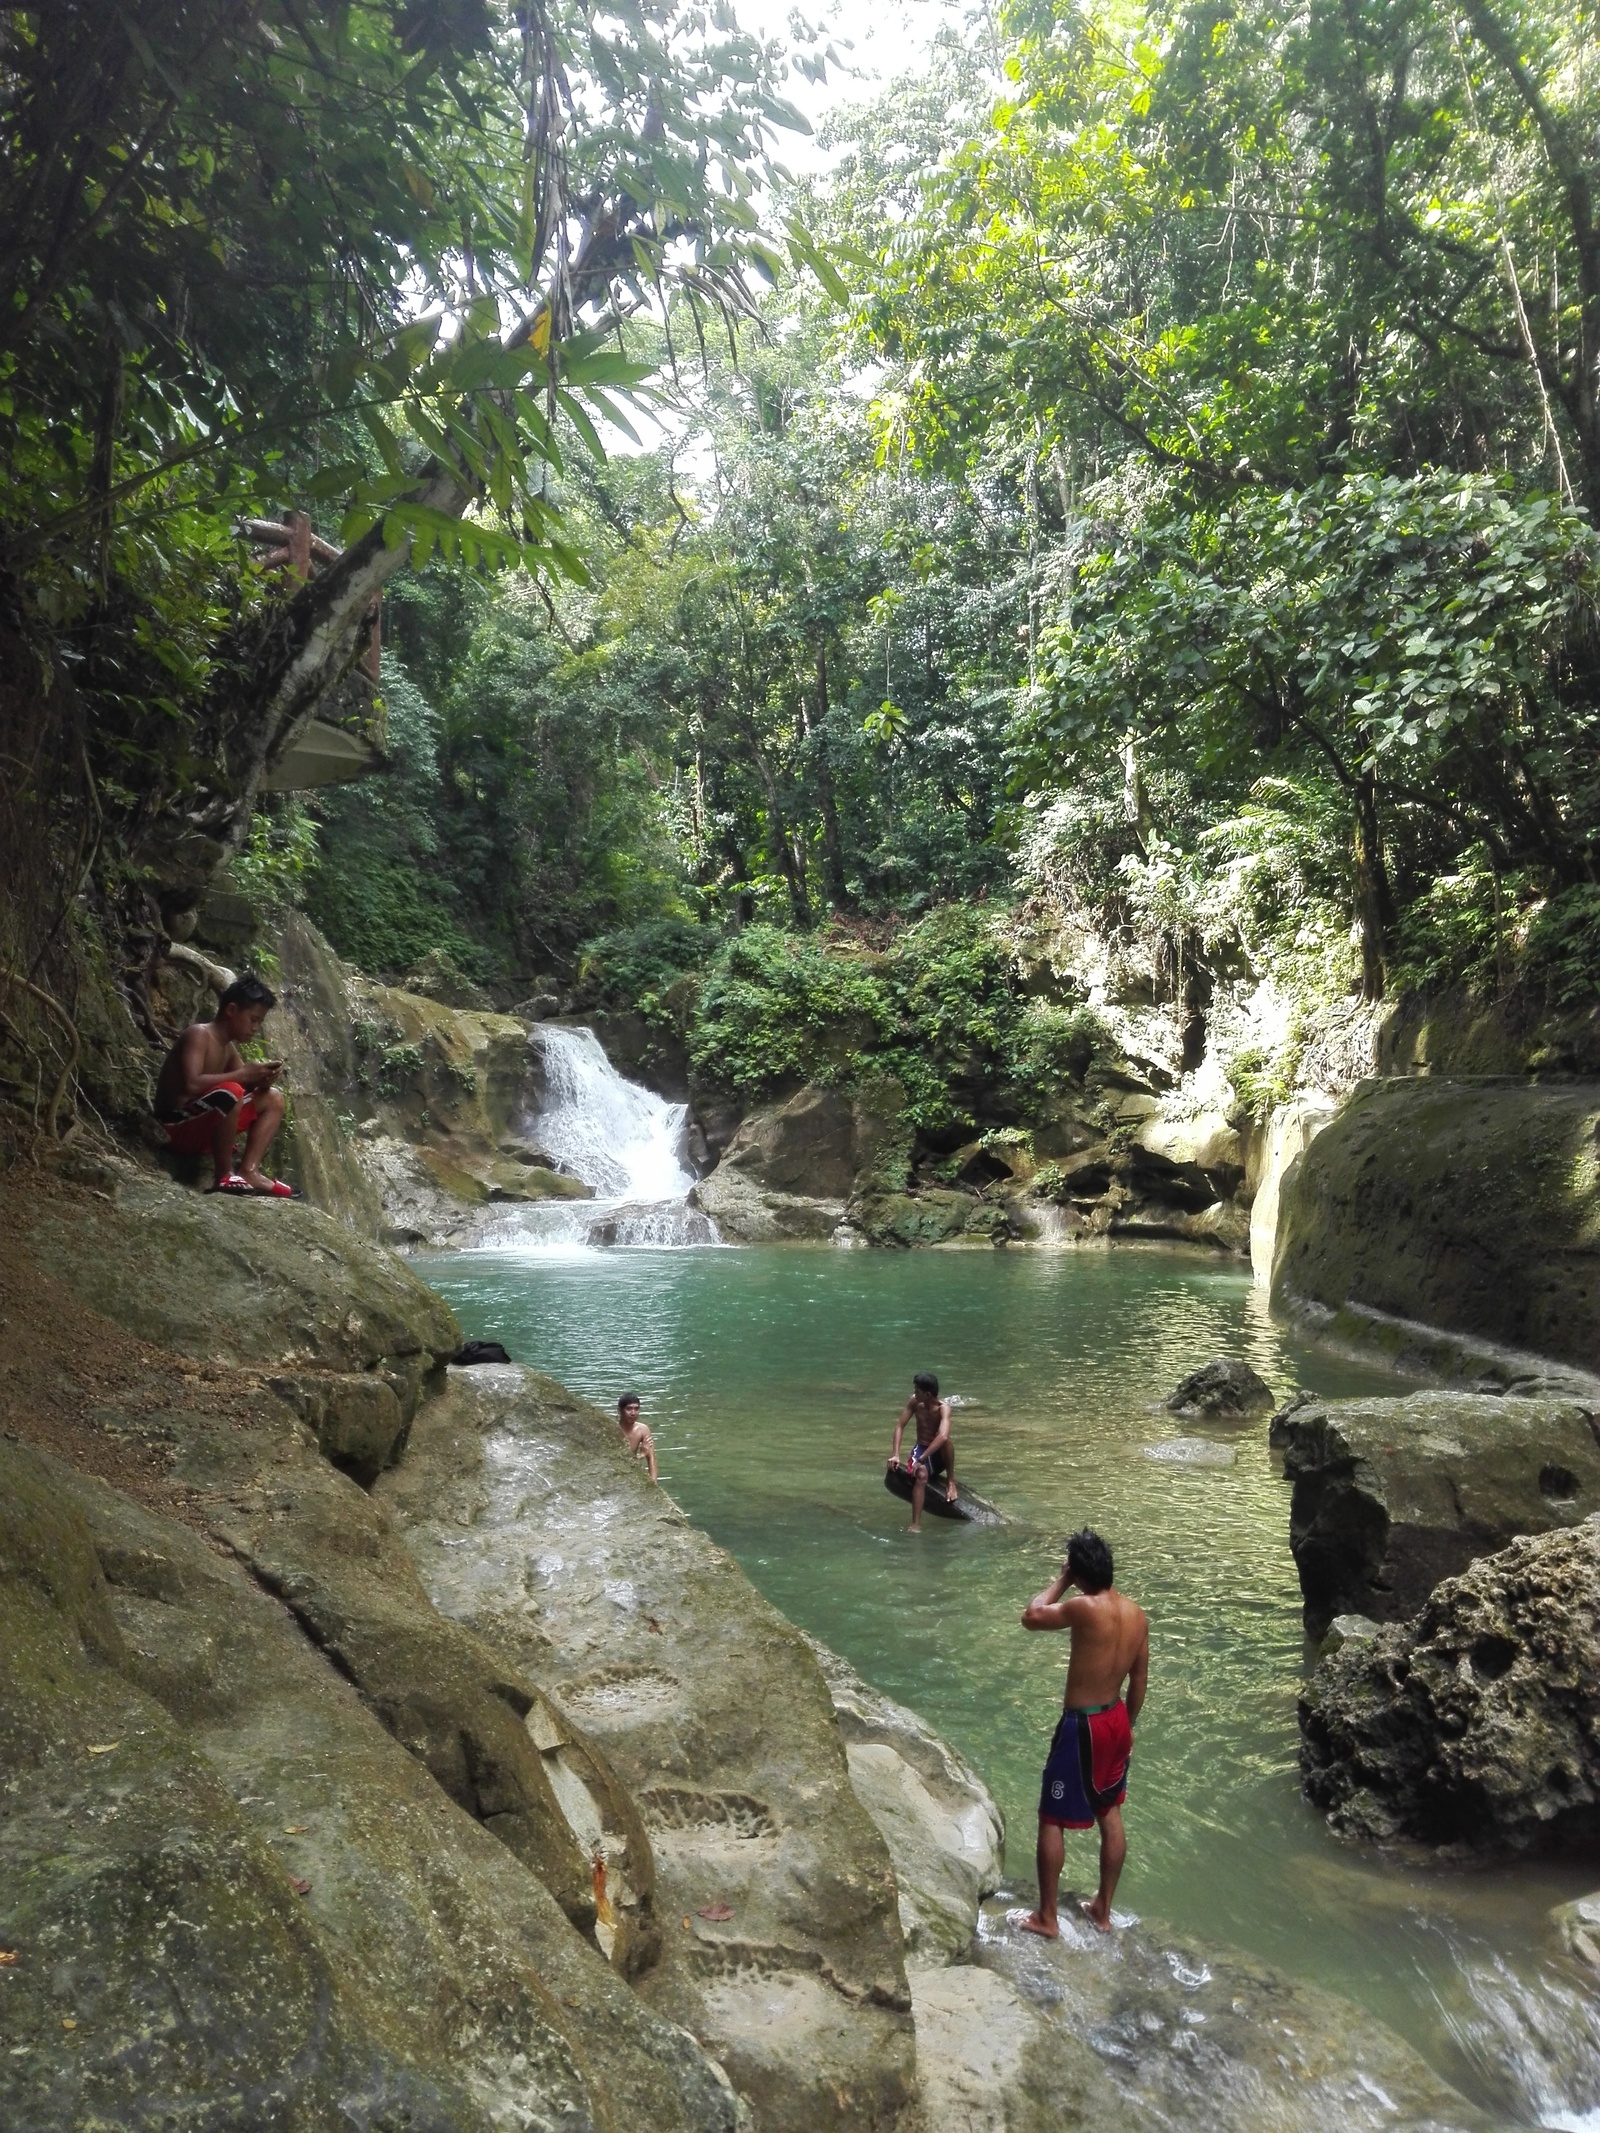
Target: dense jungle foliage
{"type": "Point", "coordinates": [1142, 494]}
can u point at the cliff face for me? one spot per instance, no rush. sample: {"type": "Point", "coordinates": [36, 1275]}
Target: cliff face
{"type": "Point", "coordinates": [1471, 1206]}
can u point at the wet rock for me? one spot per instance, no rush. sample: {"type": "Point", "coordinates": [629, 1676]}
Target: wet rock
{"type": "Point", "coordinates": [1150, 2031]}
{"type": "Point", "coordinates": [1478, 1723]}
{"type": "Point", "coordinates": [747, 1213]}
{"type": "Point", "coordinates": [1577, 1926]}
{"type": "Point", "coordinates": [1391, 1495]}
{"type": "Point", "coordinates": [1468, 1206]}
{"type": "Point", "coordinates": [1191, 1451]}
{"type": "Point", "coordinates": [1224, 1390]}
{"type": "Point", "coordinates": [235, 1899]}
{"type": "Point", "coordinates": [531, 1526]}
{"type": "Point", "coordinates": [945, 1834]}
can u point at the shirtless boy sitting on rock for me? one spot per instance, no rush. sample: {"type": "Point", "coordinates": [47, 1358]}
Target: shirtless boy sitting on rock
{"type": "Point", "coordinates": [208, 1094]}
{"type": "Point", "coordinates": [933, 1456]}
{"type": "Point", "coordinates": [1086, 1775]}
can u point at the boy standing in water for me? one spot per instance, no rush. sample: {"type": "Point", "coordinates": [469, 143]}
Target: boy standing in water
{"type": "Point", "coordinates": [933, 1453]}
{"type": "Point", "coordinates": [1086, 1775]}
{"type": "Point", "coordinates": [634, 1434]}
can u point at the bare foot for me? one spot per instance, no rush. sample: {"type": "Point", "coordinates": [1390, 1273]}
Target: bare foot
{"type": "Point", "coordinates": [1047, 1929]}
{"type": "Point", "coordinates": [1090, 1907]}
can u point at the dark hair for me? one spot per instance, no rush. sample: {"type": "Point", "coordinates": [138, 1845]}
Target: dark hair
{"type": "Point", "coordinates": [248, 991]}
{"type": "Point", "coordinates": [1089, 1560]}
{"type": "Point", "coordinates": [925, 1381]}
{"type": "Point", "coordinates": [629, 1399]}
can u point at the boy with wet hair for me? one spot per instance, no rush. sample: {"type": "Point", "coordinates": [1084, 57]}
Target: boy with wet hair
{"type": "Point", "coordinates": [208, 1094]}
{"type": "Point", "coordinates": [933, 1453]}
{"type": "Point", "coordinates": [1086, 1774]}
{"type": "Point", "coordinates": [634, 1433]}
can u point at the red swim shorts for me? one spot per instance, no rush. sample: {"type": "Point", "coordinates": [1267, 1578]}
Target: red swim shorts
{"type": "Point", "coordinates": [1086, 1771]}
{"type": "Point", "coordinates": [189, 1131]}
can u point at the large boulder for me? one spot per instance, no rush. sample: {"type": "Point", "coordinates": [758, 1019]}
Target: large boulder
{"type": "Point", "coordinates": [1391, 1495]}
{"type": "Point", "coordinates": [746, 1212]}
{"type": "Point", "coordinates": [531, 1526]}
{"type": "Point", "coordinates": [1478, 1723]}
{"type": "Point", "coordinates": [805, 1146]}
{"type": "Point", "coordinates": [946, 1836]}
{"type": "Point", "coordinates": [1469, 1206]}
{"type": "Point", "coordinates": [1223, 1390]}
{"type": "Point", "coordinates": [257, 1282]}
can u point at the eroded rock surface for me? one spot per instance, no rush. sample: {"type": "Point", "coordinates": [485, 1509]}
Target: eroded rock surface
{"type": "Point", "coordinates": [236, 1898]}
{"type": "Point", "coordinates": [781, 1946]}
{"type": "Point", "coordinates": [1391, 1495]}
{"type": "Point", "coordinates": [1478, 1723]}
{"type": "Point", "coordinates": [946, 1836]}
{"type": "Point", "coordinates": [1469, 1206]}
{"type": "Point", "coordinates": [1153, 2032]}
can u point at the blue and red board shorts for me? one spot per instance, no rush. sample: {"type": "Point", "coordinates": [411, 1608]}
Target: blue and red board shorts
{"type": "Point", "coordinates": [189, 1131]}
{"type": "Point", "coordinates": [1086, 1772]}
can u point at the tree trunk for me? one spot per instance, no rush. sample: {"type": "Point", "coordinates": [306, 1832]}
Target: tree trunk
{"type": "Point", "coordinates": [832, 845]}
{"type": "Point", "coordinates": [1374, 900]}
{"type": "Point", "coordinates": [784, 853]}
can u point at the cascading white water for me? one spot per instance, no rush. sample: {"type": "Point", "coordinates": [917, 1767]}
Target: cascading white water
{"type": "Point", "coordinates": [623, 1140]}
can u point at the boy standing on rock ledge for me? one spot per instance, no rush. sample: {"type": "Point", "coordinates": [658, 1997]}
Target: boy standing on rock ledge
{"type": "Point", "coordinates": [1086, 1774]}
{"type": "Point", "coordinates": [208, 1094]}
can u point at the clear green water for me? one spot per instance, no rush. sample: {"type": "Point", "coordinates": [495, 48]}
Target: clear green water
{"type": "Point", "coordinates": [772, 1378]}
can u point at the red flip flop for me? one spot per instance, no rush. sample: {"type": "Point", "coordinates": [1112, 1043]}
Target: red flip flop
{"type": "Point", "coordinates": [274, 1189]}
{"type": "Point", "coordinates": [233, 1184]}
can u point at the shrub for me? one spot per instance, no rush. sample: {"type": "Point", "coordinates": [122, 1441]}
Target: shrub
{"type": "Point", "coordinates": [623, 968]}
{"type": "Point", "coordinates": [778, 1007]}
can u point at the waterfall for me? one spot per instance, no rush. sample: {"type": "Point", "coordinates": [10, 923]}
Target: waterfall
{"type": "Point", "coordinates": [625, 1141]}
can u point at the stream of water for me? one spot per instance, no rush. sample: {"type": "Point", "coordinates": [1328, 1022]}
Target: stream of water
{"type": "Point", "coordinates": [772, 1378]}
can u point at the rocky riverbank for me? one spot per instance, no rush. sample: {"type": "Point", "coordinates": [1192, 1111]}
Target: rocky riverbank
{"type": "Point", "coordinates": [331, 1681]}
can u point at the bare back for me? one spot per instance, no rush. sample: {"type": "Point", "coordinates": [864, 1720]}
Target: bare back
{"type": "Point", "coordinates": [1110, 1643]}
{"type": "Point", "coordinates": [200, 1055]}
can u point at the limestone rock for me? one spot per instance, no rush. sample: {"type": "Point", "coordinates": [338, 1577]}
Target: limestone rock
{"type": "Point", "coordinates": [531, 1526]}
{"type": "Point", "coordinates": [1391, 1495]}
{"type": "Point", "coordinates": [1577, 1927]}
{"type": "Point", "coordinates": [437, 977]}
{"type": "Point", "coordinates": [946, 1836]}
{"type": "Point", "coordinates": [1278, 1427]}
{"type": "Point", "coordinates": [747, 1213]}
{"type": "Point", "coordinates": [911, 1219]}
{"type": "Point", "coordinates": [1223, 1390]}
{"type": "Point", "coordinates": [245, 1281]}
{"type": "Point", "coordinates": [805, 1146]}
{"type": "Point", "coordinates": [1289, 1133]}
{"type": "Point", "coordinates": [1478, 1723]}
{"type": "Point", "coordinates": [310, 1030]}
{"type": "Point", "coordinates": [1150, 2031]}
{"type": "Point", "coordinates": [1468, 1206]}
{"type": "Point", "coordinates": [254, 1906]}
